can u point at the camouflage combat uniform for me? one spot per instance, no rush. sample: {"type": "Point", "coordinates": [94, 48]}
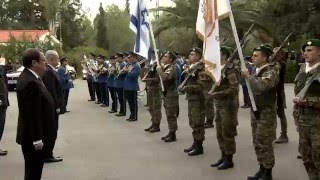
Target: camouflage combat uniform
{"type": "Point", "coordinates": [308, 121]}
{"type": "Point", "coordinates": [263, 121]}
{"type": "Point", "coordinates": [171, 96]}
{"type": "Point", "coordinates": [196, 105]}
{"type": "Point", "coordinates": [154, 97]}
{"type": "Point", "coordinates": [226, 109]}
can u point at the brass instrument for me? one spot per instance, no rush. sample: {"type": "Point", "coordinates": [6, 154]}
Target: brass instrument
{"type": "Point", "coordinates": [90, 66]}
{"type": "Point", "coordinates": [128, 67]}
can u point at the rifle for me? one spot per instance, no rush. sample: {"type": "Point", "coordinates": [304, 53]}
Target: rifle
{"type": "Point", "coordinates": [273, 58]}
{"type": "Point", "coordinates": [155, 64]}
{"type": "Point", "coordinates": [314, 77]}
{"type": "Point", "coordinates": [191, 73]}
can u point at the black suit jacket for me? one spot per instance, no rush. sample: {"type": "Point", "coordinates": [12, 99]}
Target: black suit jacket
{"type": "Point", "coordinates": [36, 111]}
{"type": "Point", "coordinates": [4, 101]}
{"type": "Point", "coordinates": [52, 82]}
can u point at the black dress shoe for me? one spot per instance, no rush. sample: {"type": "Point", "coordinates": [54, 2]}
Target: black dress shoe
{"type": "Point", "coordinates": [98, 102]}
{"type": "Point", "coordinates": [91, 100]}
{"type": "Point", "coordinates": [120, 114]}
{"type": "Point", "coordinates": [3, 152]}
{"type": "Point", "coordinates": [103, 105]}
{"type": "Point", "coordinates": [53, 160]}
{"type": "Point", "coordinates": [112, 111]}
{"type": "Point", "coordinates": [132, 120]}
{"type": "Point", "coordinates": [67, 111]}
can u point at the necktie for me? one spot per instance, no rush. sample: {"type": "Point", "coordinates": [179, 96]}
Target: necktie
{"type": "Point", "coordinates": [41, 82]}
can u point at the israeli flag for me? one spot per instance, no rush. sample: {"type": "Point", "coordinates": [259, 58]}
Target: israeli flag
{"type": "Point", "coordinates": [139, 23]}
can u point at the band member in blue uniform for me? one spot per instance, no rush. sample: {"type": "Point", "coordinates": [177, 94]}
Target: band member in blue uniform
{"type": "Point", "coordinates": [102, 80]}
{"type": "Point", "coordinates": [66, 81]}
{"type": "Point", "coordinates": [119, 83]}
{"type": "Point", "coordinates": [131, 85]}
{"type": "Point", "coordinates": [110, 84]}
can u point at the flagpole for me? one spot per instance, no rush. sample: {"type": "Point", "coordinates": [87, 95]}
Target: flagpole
{"type": "Point", "coordinates": [243, 65]}
{"type": "Point", "coordinates": [155, 48]}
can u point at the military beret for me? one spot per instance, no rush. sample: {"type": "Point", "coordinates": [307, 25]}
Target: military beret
{"type": "Point", "coordinates": [112, 57]}
{"type": "Point", "coordinates": [172, 55]}
{"type": "Point", "coordinates": [266, 48]}
{"type": "Point", "coordinates": [63, 59]}
{"type": "Point", "coordinates": [119, 54]}
{"type": "Point", "coordinates": [197, 50]}
{"type": "Point", "coordinates": [92, 54]}
{"type": "Point", "coordinates": [126, 54]}
{"type": "Point", "coordinates": [311, 42]}
{"type": "Point", "coordinates": [226, 50]}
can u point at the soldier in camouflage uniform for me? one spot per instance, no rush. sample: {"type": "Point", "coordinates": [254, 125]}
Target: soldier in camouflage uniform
{"type": "Point", "coordinates": [306, 109]}
{"type": "Point", "coordinates": [263, 81]}
{"type": "Point", "coordinates": [196, 105]}
{"type": "Point", "coordinates": [168, 73]}
{"type": "Point", "coordinates": [154, 99]}
{"type": "Point", "coordinates": [226, 110]}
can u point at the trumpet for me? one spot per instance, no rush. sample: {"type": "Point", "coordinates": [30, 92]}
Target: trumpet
{"type": "Point", "coordinates": [128, 68]}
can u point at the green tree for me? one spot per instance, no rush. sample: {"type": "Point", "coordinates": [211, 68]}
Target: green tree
{"type": "Point", "coordinates": [72, 25]}
{"type": "Point", "coordinates": [102, 39]}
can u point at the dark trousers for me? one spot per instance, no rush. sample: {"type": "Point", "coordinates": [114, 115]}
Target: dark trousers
{"type": "Point", "coordinates": [246, 98]}
{"type": "Point", "coordinates": [33, 162]}
{"type": "Point", "coordinates": [98, 91]}
{"type": "Point", "coordinates": [131, 97]}
{"type": "Point", "coordinates": [104, 93]}
{"type": "Point", "coordinates": [91, 89]}
{"type": "Point", "coordinates": [122, 102]}
{"type": "Point", "coordinates": [3, 112]}
{"type": "Point", "coordinates": [65, 103]}
{"type": "Point", "coordinates": [49, 146]}
{"type": "Point", "coordinates": [114, 98]}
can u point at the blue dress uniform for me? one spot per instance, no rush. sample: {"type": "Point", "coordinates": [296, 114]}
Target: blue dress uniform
{"type": "Point", "coordinates": [102, 80]}
{"type": "Point", "coordinates": [66, 83]}
{"type": "Point", "coordinates": [119, 85]}
{"type": "Point", "coordinates": [131, 86]}
{"type": "Point", "coordinates": [110, 85]}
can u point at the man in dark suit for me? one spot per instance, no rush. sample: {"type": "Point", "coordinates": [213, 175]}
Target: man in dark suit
{"type": "Point", "coordinates": [4, 103]}
{"type": "Point", "coordinates": [66, 82]}
{"type": "Point", "coordinates": [52, 82]}
{"type": "Point", "coordinates": [36, 123]}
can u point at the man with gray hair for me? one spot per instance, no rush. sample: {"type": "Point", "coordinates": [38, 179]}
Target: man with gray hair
{"type": "Point", "coordinates": [52, 82]}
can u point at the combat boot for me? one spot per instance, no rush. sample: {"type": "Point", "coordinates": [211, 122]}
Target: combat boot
{"type": "Point", "coordinates": [190, 148]}
{"type": "Point", "coordinates": [172, 137]}
{"type": "Point", "coordinates": [258, 175]}
{"type": "Point", "coordinates": [208, 125]}
{"type": "Point", "coordinates": [220, 161]}
{"type": "Point", "coordinates": [267, 174]}
{"type": "Point", "coordinates": [227, 162]}
{"type": "Point", "coordinates": [197, 150]}
{"type": "Point", "coordinates": [283, 138]}
{"type": "Point", "coordinates": [166, 136]}
{"type": "Point", "coordinates": [155, 128]}
{"type": "Point", "coordinates": [149, 128]}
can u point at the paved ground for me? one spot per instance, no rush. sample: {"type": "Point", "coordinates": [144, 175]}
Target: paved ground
{"type": "Point", "coordinates": [98, 146]}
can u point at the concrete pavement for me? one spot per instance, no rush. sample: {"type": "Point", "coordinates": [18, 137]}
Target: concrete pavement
{"type": "Point", "coordinates": [97, 145]}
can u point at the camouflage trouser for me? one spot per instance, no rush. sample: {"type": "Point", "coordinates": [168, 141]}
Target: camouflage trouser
{"type": "Point", "coordinates": [196, 113]}
{"type": "Point", "coordinates": [171, 106]}
{"type": "Point", "coordinates": [263, 133]}
{"type": "Point", "coordinates": [209, 106]}
{"type": "Point", "coordinates": [154, 103]}
{"type": "Point", "coordinates": [309, 146]}
{"type": "Point", "coordinates": [226, 124]}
